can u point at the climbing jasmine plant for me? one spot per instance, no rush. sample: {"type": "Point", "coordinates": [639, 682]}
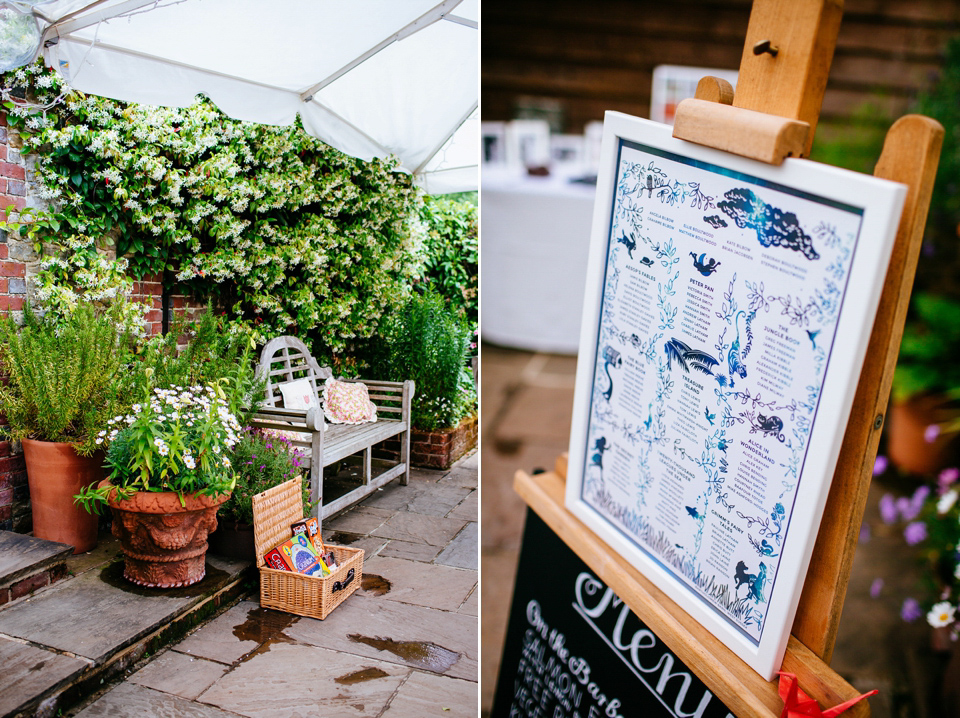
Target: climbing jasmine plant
{"type": "Point", "coordinates": [279, 229]}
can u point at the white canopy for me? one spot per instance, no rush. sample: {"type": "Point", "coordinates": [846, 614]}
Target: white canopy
{"type": "Point", "coordinates": [369, 77]}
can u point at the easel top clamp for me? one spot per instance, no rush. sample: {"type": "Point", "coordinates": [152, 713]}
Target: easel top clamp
{"type": "Point", "coordinates": [773, 114]}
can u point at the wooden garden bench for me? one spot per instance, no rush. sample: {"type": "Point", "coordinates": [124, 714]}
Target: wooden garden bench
{"type": "Point", "coordinates": [286, 359]}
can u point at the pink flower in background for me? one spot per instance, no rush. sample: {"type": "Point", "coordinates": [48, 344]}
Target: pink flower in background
{"type": "Point", "coordinates": [915, 532]}
{"type": "Point", "coordinates": [931, 433]}
{"type": "Point", "coordinates": [876, 587]}
{"type": "Point", "coordinates": [880, 465]}
{"type": "Point", "coordinates": [947, 478]}
{"type": "Point", "coordinates": [910, 611]}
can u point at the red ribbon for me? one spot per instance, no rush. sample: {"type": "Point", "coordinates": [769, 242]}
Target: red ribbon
{"type": "Point", "coordinates": [797, 704]}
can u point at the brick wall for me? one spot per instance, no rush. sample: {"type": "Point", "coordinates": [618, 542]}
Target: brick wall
{"type": "Point", "coordinates": [14, 505]}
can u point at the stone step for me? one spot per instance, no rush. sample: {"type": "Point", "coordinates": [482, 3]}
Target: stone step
{"type": "Point", "coordinates": [60, 645]}
{"type": "Point", "coordinates": [28, 564]}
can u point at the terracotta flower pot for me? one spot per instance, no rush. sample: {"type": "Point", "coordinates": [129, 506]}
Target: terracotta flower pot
{"type": "Point", "coordinates": [907, 445]}
{"type": "Point", "coordinates": [164, 543]}
{"type": "Point", "coordinates": [55, 474]}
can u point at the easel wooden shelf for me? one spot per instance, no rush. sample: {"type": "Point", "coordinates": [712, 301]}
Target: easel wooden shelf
{"type": "Point", "coordinates": [773, 115]}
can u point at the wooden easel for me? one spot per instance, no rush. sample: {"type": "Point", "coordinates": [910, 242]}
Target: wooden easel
{"type": "Point", "coordinates": [783, 74]}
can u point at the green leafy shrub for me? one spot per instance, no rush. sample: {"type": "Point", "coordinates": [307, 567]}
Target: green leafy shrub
{"type": "Point", "coordinates": [451, 264]}
{"type": "Point", "coordinates": [67, 375]}
{"type": "Point", "coordinates": [929, 350]}
{"type": "Point", "coordinates": [425, 342]}
{"type": "Point", "coordinates": [261, 460]}
{"type": "Point", "coordinates": [215, 351]}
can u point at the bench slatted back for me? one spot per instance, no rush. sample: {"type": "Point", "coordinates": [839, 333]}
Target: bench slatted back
{"type": "Point", "coordinates": [286, 359]}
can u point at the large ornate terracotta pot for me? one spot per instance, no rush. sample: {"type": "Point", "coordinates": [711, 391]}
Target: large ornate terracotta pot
{"type": "Point", "coordinates": [55, 474]}
{"type": "Point", "coordinates": [164, 543]}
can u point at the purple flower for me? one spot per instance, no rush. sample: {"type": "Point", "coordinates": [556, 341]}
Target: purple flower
{"type": "Point", "coordinates": [880, 465]}
{"type": "Point", "coordinates": [876, 587]}
{"type": "Point", "coordinates": [263, 466]}
{"type": "Point", "coordinates": [910, 508]}
{"type": "Point", "coordinates": [888, 509]}
{"type": "Point", "coordinates": [947, 478]}
{"type": "Point", "coordinates": [864, 532]}
{"type": "Point", "coordinates": [269, 446]}
{"type": "Point", "coordinates": [915, 532]}
{"type": "Point", "coordinates": [910, 611]}
{"type": "Point", "coordinates": [931, 433]}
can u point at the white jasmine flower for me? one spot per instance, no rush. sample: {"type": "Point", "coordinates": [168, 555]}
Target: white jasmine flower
{"type": "Point", "coordinates": [942, 614]}
{"type": "Point", "coordinates": [946, 502]}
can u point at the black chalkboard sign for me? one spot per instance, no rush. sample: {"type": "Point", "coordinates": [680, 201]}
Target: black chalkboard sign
{"type": "Point", "coordinates": [575, 650]}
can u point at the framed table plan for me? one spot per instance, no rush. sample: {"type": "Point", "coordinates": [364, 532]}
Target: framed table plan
{"type": "Point", "coordinates": [726, 318]}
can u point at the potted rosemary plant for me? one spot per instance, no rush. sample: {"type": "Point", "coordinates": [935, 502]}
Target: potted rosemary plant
{"type": "Point", "coordinates": [65, 379]}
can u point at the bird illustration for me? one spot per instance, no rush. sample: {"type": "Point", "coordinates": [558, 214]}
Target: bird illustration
{"type": "Point", "coordinates": [812, 333]}
{"type": "Point", "coordinates": [710, 417]}
{"type": "Point", "coordinates": [704, 266]}
{"type": "Point", "coordinates": [692, 511]}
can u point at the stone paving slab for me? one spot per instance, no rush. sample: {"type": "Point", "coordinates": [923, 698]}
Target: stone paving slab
{"type": "Point", "coordinates": [179, 674]}
{"type": "Point", "coordinates": [468, 509]}
{"type": "Point", "coordinates": [538, 413]}
{"type": "Point", "coordinates": [27, 672]}
{"type": "Point", "coordinates": [425, 694]}
{"type": "Point", "coordinates": [360, 520]}
{"type": "Point", "coordinates": [427, 499]}
{"type": "Point", "coordinates": [464, 550]}
{"type": "Point", "coordinates": [217, 640]}
{"type": "Point", "coordinates": [106, 550]}
{"type": "Point", "coordinates": [433, 530]}
{"type": "Point", "coordinates": [307, 682]}
{"type": "Point", "coordinates": [397, 633]}
{"type": "Point", "coordinates": [411, 551]}
{"type": "Point", "coordinates": [89, 617]}
{"type": "Point", "coordinates": [423, 584]}
{"type": "Point", "coordinates": [22, 555]}
{"type": "Point", "coordinates": [129, 700]}
{"type": "Point", "coordinates": [471, 607]}
{"type": "Point", "coordinates": [459, 476]}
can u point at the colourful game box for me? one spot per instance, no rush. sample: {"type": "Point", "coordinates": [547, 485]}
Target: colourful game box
{"type": "Point", "coordinates": [297, 554]}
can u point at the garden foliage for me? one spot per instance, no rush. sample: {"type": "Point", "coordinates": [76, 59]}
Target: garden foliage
{"type": "Point", "coordinates": [451, 257]}
{"type": "Point", "coordinates": [65, 378]}
{"type": "Point", "coordinates": [423, 341]}
{"type": "Point", "coordinates": [275, 226]}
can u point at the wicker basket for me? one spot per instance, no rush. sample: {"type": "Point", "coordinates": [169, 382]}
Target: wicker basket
{"type": "Point", "coordinates": [273, 512]}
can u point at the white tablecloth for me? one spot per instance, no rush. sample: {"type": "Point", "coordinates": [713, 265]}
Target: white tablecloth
{"type": "Point", "coordinates": [535, 233]}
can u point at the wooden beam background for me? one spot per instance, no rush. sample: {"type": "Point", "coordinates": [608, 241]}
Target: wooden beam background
{"type": "Point", "coordinates": [597, 56]}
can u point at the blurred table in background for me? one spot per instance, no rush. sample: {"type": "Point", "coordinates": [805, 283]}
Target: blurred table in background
{"type": "Point", "coordinates": [533, 254]}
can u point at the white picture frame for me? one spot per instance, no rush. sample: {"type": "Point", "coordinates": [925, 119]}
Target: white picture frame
{"type": "Point", "coordinates": [712, 482]}
{"type": "Point", "coordinates": [672, 84]}
{"type": "Point", "coordinates": [567, 152]}
{"type": "Point", "coordinates": [528, 143]}
{"type": "Point", "coordinates": [493, 144]}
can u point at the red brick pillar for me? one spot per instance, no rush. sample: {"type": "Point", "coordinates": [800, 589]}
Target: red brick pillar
{"type": "Point", "coordinates": [14, 497]}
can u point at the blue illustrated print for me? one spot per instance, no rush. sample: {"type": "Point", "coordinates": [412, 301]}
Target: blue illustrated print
{"type": "Point", "coordinates": [629, 242]}
{"type": "Point", "coordinates": [611, 358]}
{"type": "Point", "coordinates": [688, 358]}
{"type": "Point", "coordinates": [705, 266]}
{"type": "Point", "coordinates": [774, 227]}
